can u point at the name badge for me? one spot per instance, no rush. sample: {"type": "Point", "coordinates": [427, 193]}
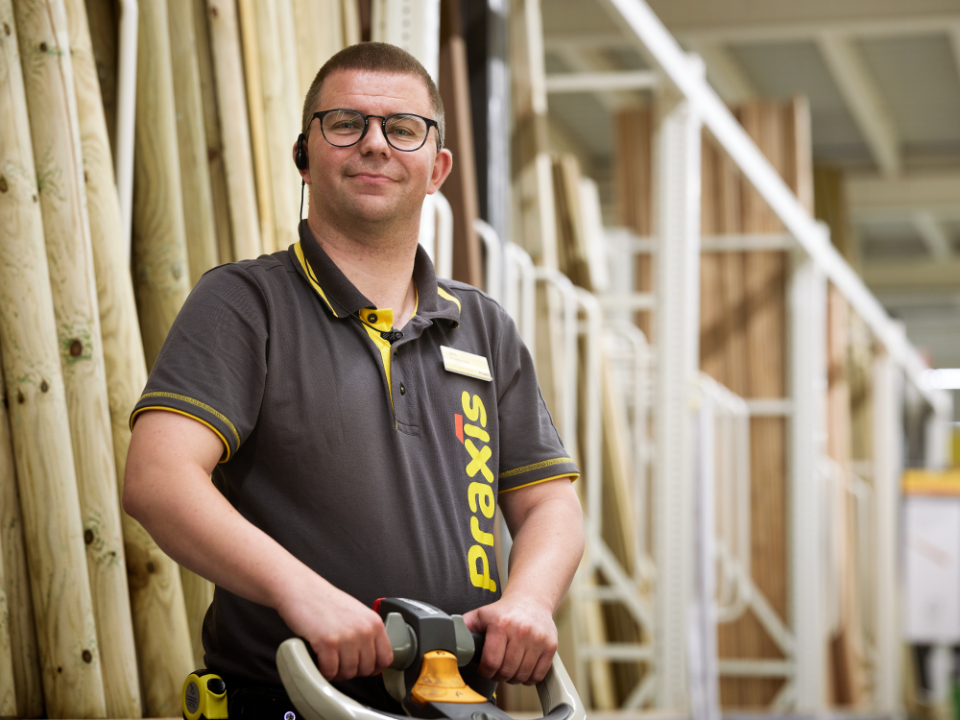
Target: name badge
{"type": "Point", "coordinates": [464, 363]}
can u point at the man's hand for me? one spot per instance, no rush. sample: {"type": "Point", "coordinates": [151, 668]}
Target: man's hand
{"type": "Point", "coordinates": [547, 527]}
{"type": "Point", "coordinates": [348, 638]}
{"type": "Point", "coordinates": [521, 640]}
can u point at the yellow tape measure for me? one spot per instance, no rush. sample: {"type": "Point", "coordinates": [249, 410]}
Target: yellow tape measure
{"type": "Point", "coordinates": [204, 696]}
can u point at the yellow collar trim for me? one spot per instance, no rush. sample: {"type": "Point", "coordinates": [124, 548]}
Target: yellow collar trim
{"type": "Point", "coordinates": [311, 276]}
{"type": "Point", "coordinates": [447, 296]}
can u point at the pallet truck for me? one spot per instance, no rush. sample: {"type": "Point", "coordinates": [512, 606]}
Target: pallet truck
{"type": "Point", "coordinates": [429, 648]}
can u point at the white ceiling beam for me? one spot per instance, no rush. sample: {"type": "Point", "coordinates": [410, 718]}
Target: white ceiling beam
{"type": "Point", "coordinates": [592, 59]}
{"type": "Point", "coordinates": [725, 73]}
{"type": "Point", "coordinates": [872, 197]}
{"type": "Point", "coordinates": [954, 33]}
{"type": "Point", "coordinates": [934, 235]}
{"type": "Point", "coordinates": [863, 100]}
{"type": "Point", "coordinates": [903, 274]}
{"type": "Point", "coordinates": [747, 33]}
{"type": "Point", "coordinates": [600, 81]}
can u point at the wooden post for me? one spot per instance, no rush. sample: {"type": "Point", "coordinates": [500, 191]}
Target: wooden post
{"type": "Point", "coordinates": [351, 22]}
{"type": "Point", "coordinates": [66, 630]}
{"type": "Point", "coordinates": [16, 583]}
{"type": "Point", "coordinates": [281, 117]}
{"type": "Point", "coordinates": [159, 243]}
{"type": "Point", "coordinates": [55, 132]}
{"type": "Point", "coordinates": [8, 696]}
{"type": "Point", "coordinates": [319, 29]}
{"type": "Point", "coordinates": [247, 12]}
{"type": "Point", "coordinates": [460, 187]}
{"type": "Point", "coordinates": [200, 231]}
{"type": "Point", "coordinates": [241, 191]}
{"type": "Point", "coordinates": [160, 618]}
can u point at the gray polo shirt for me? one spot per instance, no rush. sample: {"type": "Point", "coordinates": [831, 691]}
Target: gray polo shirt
{"type": "Point", "coordinates": [376, 464]}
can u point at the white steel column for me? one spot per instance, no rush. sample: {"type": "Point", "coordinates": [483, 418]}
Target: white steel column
{"type": "Point", "coordinates": [887, 468]}
{"type": "Point", "coordinates": [808, 387]}
{"type": "Point", "coordinates": [677, 343]}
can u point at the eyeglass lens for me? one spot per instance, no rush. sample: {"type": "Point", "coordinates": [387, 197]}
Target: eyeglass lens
{"type": "Point", "coordinates": [404, 132]}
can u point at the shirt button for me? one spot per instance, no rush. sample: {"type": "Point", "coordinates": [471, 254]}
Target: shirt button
{"type": "Point", "coordinates": [372, 317]}
{"type": "Point", "coordinates": [403, 390]}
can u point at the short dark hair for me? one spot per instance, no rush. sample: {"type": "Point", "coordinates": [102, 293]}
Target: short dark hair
{"type": "Point", "coordinates": [374, 57]}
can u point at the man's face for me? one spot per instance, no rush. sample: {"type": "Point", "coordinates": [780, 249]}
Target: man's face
{"type": "Point", "coordinates": [372, 181]}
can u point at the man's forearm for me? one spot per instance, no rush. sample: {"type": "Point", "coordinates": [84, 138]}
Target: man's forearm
{"type": "Point", "coordinates": [547, 547]}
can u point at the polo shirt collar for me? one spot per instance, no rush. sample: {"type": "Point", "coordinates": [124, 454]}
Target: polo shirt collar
{"type": "Point", "coordinates": [342, 298]}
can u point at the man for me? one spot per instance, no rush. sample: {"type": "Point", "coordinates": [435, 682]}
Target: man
{"type": "Point", "coordinates": [357, 458]}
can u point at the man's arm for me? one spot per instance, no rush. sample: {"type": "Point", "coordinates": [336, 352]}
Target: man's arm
{"type": "Point", "coordinates": [547, 527]}
{"type": "Point", "coordinates": [167, 488]}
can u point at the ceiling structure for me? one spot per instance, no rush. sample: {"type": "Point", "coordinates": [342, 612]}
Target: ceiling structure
{"type": "Point", "coordinates": [883, 81]}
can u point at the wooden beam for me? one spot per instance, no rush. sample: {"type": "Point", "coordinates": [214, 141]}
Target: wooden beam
{"type": "Point", "coordinates": [954, 33]}
{"type": "Point", "coordinates": [863, 99]}
{"type": "Point", "coordinates": [592, 60]}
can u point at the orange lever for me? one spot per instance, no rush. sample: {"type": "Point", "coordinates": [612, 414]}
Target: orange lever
{"type": "Point", "coordinates": [440, 681]}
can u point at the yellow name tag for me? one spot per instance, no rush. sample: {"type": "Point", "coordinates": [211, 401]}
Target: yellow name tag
{"type": "Point", "coordinates": [464, 363]}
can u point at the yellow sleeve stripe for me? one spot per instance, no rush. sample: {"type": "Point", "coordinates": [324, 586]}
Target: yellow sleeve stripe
{"type": "Point", "coordinates": [535, 466]}
{"type": "Point", "coordinates": [312, 277]}
{"type": "Point", "coordinates": [573, 477]}
{"type": "Point", "coordinates": [447, 296]}
{"type": "Point", "coordinates": [220, 416]}
{"type": "Point", "coordinates": [192, 417]}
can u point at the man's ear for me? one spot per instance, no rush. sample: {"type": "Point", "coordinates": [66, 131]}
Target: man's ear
{"type": "Point", "coordinates": [441, 168]}
{"type": "Point", "coordinates": [301, 159]}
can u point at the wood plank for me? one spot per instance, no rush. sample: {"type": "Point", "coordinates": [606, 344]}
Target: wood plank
{"type": "Point", "coordinates": [201, 234]}
{"type": "Point", "coordinates": [9, 586]}
{"type": "Point", "coordinates": [55, 131]}
{"type": "Point", "coordinates": [460, 187]}
{"type": "Point", "coordinates": [199, 226]}
{"type": "Point", "coordinates": [319, 29]}
{"type": "Point", "coordinates": [247, 14]}
{"type": "Point", "coordinates": [765, 288]}
{"type": "Point", "coordinates": [211, 130]}
{"type": "Point", "coordinates": [352, 26]}
{"type": "Point", "coordinates": [235, 130]}
{"type": "Point", "coordinates": [634, 173]}
{"type": "Point", "coordinates": [24, 654]}
{"type": "Point", "coordinates": [160, 262]}
{"type": "Point", "coordinates": [159, 242]}
{"type": "Point", "coordinates": [60, 587]}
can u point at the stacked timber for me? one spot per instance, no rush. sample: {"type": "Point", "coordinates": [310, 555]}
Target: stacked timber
{"type": "Point", "coordinates": [63, 609]}
{"type": "Point", "coordinates": [742, 338]}
{"type": "Point", "coordinates": [235, 130]}
{"type": "Point", "coordinates": [55, 132]}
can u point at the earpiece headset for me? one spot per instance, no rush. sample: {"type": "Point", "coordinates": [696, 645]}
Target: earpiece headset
{"type": "Point", "coordinates": [300, 159]}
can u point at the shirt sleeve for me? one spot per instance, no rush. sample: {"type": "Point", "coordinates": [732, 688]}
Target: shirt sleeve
{"type": "Point", "coordinates": [213, 364]}
{"type": "Point", "coordinates": [531, 450]}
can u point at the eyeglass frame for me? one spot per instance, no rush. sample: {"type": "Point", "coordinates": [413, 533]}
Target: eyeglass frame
{"type": "Point", "coordinates": [383, 127]}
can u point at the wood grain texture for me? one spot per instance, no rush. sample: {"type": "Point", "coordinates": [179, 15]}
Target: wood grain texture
{"type": "Point", "coordinates": [55, 131]}
{"type": "Point", "coordinates": [241, 191]}
{"type": "Point", "coordinates": [633, 168]}
{"type": "Point", "coordinates": [8, 677]}
{"type": "Point", "coordinates": [533, 213]}
{"type": "Point", "coordinates": [211, 131]}
{"type": "Point", "coordinates": [319, 29]}
{"type": "Point", "coordinates": [350, 13]}
{"type": "Point", "coordinates": [197, 596]}
{"type": "Point", "coordinates": [201, 233]}
{"type": "Point", "coordinates": [161, 273]}
{"type": "Point", "coordinates": [24, 654]}
{"type": "Point", "coordinates": [102, 18]}
{"type": "Point", "coordinates": [60, 588]}
{"type": "Point", "coordinates": [160, 619]}
{"type": "Point", "coordinates": [277, 43]}
{"type": "Point", "coordinates": [250, 34]}
{"type": "Point", "coordinates": [460, 187]}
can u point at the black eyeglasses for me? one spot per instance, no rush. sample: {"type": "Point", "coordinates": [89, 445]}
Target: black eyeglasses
{"type": "Point", "coordinates": [403, 131]}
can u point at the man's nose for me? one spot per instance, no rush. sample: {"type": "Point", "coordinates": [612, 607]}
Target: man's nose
{"type": "Point", "coordinates": [375, 139]}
